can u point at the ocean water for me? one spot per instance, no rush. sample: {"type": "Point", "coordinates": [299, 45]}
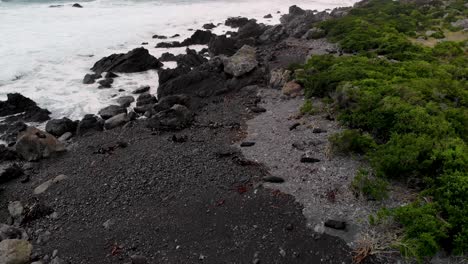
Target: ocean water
{"type": "Point", "coordinates": [45, 52]}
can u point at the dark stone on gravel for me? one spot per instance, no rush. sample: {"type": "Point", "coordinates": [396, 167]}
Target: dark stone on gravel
{"type": "Point", "coordinates": [176, 118]}
{"type": "Point", "coordinates": [27, 108]}
{"type": "Point", "coordinates": [145, 99]}
{"type": "Point", "coordinates": [319, 130]}
{"type": "Point", "coordinates": [137, 259]}
{"type": "Point", "coordinates": [144, 43]}
{"type": "Point", "coordinates": [339, 225]}
{"type": "Point", "coordinates": [132, 115]}
{"type": "Point", "coordinates": [273, 179]}
{"type": "Point", "coordinates": [308, 159]}
{"type": "Point", "coordinates": [168, 101]}
{"type": "Point", "coordinates": [247, 144]}
{"type": "Point", "coordinates": [136, 60]}
{"type": "Point", "coordinates": [236, 22]}
{"type": "Point", "coordinates": [142, 89]}
{"type": "Point", "coordinates": [89, 123]}
{"type": "Point", "coordinates": [110, 75]}
{"type": "Point", "coordinates": [77, 5]}
{"type": "Point", "coordinates": [179, 139]}
{"type": "Point", "coordinates": [257, 109]}
{"type": "Point", "coordinates": [209, 26]}
{"type": "Point", "coordinates": [166, 56]}
{"type": "Point", "coordinates": [36, 211]}
{"type": "Point", "coordinates": [58, 127]}
{"type": "Point", "coordinates": [106, 83]}
{"type": "Point", "coordinates": [111, 110]}
{"type": "Point", "coordinates": [175, 36]}
{"type": "Point", "coordinates": [294, 126]}
{"type": "Point", "coordinates": [90, 78]}
{"type": "Point", "coordinates": [168, 74]}
{"type": "Point", "coordinates": [10, 173]}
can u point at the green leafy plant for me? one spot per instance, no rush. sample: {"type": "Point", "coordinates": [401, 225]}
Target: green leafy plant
{"type": "Point", "coordinates": [371, 187]}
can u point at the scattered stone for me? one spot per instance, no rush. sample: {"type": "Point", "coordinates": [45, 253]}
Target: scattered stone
{"type": "Point", "coordinates": [77, 5]}
{"type": "Point", "coordinates": [159, 37]}
{"type": "Point", "coordinates": [116, 121]}
{"type": "Point", "coordinates": [34, 144]}
{"type": "Point", "coordinates": [292, 89]}
{"type": "Point", "coordinates": [10, 172]}
{"type": "Point", "coordinates": [106, 83]}
{"type": "Point", "coordinates": [107, 224]}
{"type": "Point", "coordinates": [168, 74]}
{"type": "Point", "coordinates": [294, 126]}
{"type": "Point", "coordinates": [111, 110]}
{"type": "Point", "coordinates": [90, 123]}
{"type": "Point", "coordinates": [247, 144]}
{"type": "Point", "coordinates": [90, 78]}
{"type": "Point", "coordinates": [65, 137]}
{"type": "Point", "coordinates": [175, 36]}
{"type": "Point", "coordinates": [244, 61]}
{"type": "Point", "coordinates": [142, 89]}
{"type": "Point", "coordinates": [190, 59]}
{"type": "Point", "coordinates": [125, 101]}
{"type": "Point", "coordinates": [58, 127]}
{"type": "Point", "coordinates": [36, 211]}
{"type": "Point", "coordinates": [15, 251]}
{"type": "Point", "coordinates": [339, 225]}
{"type": "Point", "coordinates": [273, 179]}
{"type": "Point", "coordinates": [144, 43]}
{"type": "Point", "coordinates": [136, 60]}
{"type": "Point", "coordinates": [257, 109]}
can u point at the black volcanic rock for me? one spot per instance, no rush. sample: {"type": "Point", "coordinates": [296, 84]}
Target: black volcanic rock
{"type": "Point", "coordinates": [17, 103]}
{"type": "Point", "coordinates": [191, 58]}
{"type": "Point", "coordinates": [168, 74]}
{"type": "Point", "coordinates": [137, 60]}
{"type": "Point", "coordinates": [221, 45]}
{"type": "Point", "coordinates": [236, 22]}
{"type": "Point", "coordinates": [58, 127]}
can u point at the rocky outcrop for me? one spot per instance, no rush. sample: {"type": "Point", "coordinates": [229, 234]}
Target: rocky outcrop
{"type": "Point", "coordinates": [11, 131]}
{"type": "Point", "coordinates": [299, 21]}
{"type": "Point", "coordinates": [166, 56]}
{"type": "Point", "coordinates": [58, 127]}
{"type": "Point", "coordinates": [26, 108]}
{"type": "Point", "coordinates": [176, 118]}
{"type": "Point", "coordinates": [90, 78]}
{"type": "Point", "coordinates": [236, 22]}
{"type": "Point", "coordinates": [145, 99]}
{"type": "Point", "coordinates": [190, 59]}
{"type": "Point", "coordinates": [168, 74]}
{"type": "Point", "coordinates": [244, 61]}
{"type": "Point", "coordinates": [209, 26]}
{"type": "Point", "coordinates": [169, 101]}
{"type": "Point", "coordinates": [199, 37]}
{"type": "Point", "coordinates": [279, 77]}
{"type": "Point", "coordinates": [34, 144]}
{"type": "Point", "coordinates": [137, 60]}
{"type": "Point", "coordinates": [222, 45]}
{"type": "Point", "coordinates": [273, 34]}
{"type": "Point", "coordinates": [251, 30]}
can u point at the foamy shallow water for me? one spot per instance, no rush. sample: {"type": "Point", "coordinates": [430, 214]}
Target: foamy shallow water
{"type": "Point", "coordinates": [45, 52]}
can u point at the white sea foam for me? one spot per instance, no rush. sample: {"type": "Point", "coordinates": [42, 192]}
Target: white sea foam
{"type": "Point", "coordinates": [45, 52]}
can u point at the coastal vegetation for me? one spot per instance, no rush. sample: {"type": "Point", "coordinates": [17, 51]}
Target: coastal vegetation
{"type": "Point", "coordinates": [406, 104]}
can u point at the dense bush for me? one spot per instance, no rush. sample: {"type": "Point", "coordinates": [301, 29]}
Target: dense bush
{"type": "Point", "coordinates": [371, 187]}
{"type": "Point", "coordinates": [413, 101]}
{"type": "Point", "coordinates": [351, 141]}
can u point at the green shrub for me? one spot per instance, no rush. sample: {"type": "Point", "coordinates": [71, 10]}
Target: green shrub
{"type": "Point", "coordinates": [351, 141]}
{"type": "Point", "coordinates": [371, 187]}
{"type": "Point", "coordinates": [307, 108]}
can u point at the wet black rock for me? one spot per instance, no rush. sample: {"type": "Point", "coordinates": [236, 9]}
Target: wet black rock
{"type": "Point", "coordinates": [236, 22]}
{"type": "Point", "coordinates": [209, 26]}
{"type": "Point", "coordinates": [7, 154]}
{"type": "Point", "coordinates": [145, 99]}
{"type": "Point", "coordinates": [110, 75]}
{"type": "Point", "coordinates": [116, 121]}
{"type": "Point", "coordinates": [251, 29]}
{"type": "Point", "coordinates": [111, 110]}
{"type": "Point", "coordinates": [306, 158]}
{"type": "Point", "coordinates": [90, 123]}
{"type": "Point", "coordinates": [190, 59]}
{"type": "Point", "coordinates": [199, 37]}
{"type": "Point", "coordinates": [27, 108]}
{"type": "Point", "coordinates": [137, 60]}
{"type": "Point", "coordinates": [172, 44]}
{"type": "Point", "coordinates": [339, 225]}
{"type": "Point", "coordinates": [268, 16]}
{"type": "Point", "coordinates": [142, 89]}
{"type": "Point", "coordinates": [175, 36]}
{"type": "Point", "coordinates": [159, 37]}
{"type": "Point", "coordinates": [125, 101]}
{"type": "Point", "coordinates": [247, 144]}
{"type": "Point", "coordinates": [90, 78]}
{"type": "Point", "coordinates": [299, 21]}
{"type": "Point", "coordinates": [168, 74]}
{"type": "Point", "coordinates": [10, 173]}
{"type": "Point", "coordinates": [273, 179]}
{"type": "Point", "coordinates": [222, 45]}
{"type": "Point", "coordinates": [77, 5]}
{"type": "Point", "coordinates": [166, 56]}
{"type": "Point", "coordinates": [106, 83]}
{"type": "Point", "coordinates": [58, 127]}
{"type": "Point", "coordinates": [11, 131]}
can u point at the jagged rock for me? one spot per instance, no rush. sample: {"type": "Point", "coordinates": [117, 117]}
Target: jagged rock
{"type": "Point", "coordinates": [125, 101]}
{"type": "Point", "coordinates": [137, 60]}
{"type": "Point", "coordinates": [90, 123]}
{"type": "Point", "coordinates": [106, 83]}
{"type": "Point", "coordinates": [279, 77]}
{"type": "Point", "coordinates": [268, 16]}
{"type": "Point", "coordinates": [251, 30]}
{"type": "Point", "coordinates": [90, 78]}
{"type": "Point", "coordinates": [34, 144]}
{"type": "Point", "coordinates": [176, 118]}
{"type": "Point", "coordinates": [142, 89]}
{"type": "Point", "coordinates": [244, 61]}
{"type": "Point", "coordinates": [462, 23]}
{"type": "Point", "coordinates": [145, 99]}
{"type": "Point", "coordinates": [168, 101]}
{"type": "Point", "coordinates": [172, 44]}
{"type": "Point", "coordinates": [168, 74]}
{"type": "Point", "coordinates": [7, 154]}
{"type": "Point", "coordinates": [110, 75]}
{"type": "Point", "coordinates": [190, 59]}
{"type": "Point", "coordinates": [15, 209]}
{"type": "Point", "coordinates": [166, 56]}
{"type": "Point", "coordinates": [314, 33]}
{"type": "Point", "coordinates": [116, 121]}
{"type": "Point", "coordinates": [8, 173]}
{"type": "Point", "coordinates": [222, 45]}
{"type": "Point", "coordinates": [17, 103]}
{"type": "Point", "coordinates": [273, 34]}
{"type": "Point", "coordinates": [15, 251]}
{"type": "Point", "coordinates": [10, 132]}
{"type": "Point", "coordinates": [58, 127]}
{"type": "Point", "coordinates": [292, 89]}
{"type": "Point", "coordinates": [199, 37]}
{"type": "Point", "coordinates": [298, 21]}
{"type": "Point", "coordinates": [209, 26]}
{"type": "Point", "coordinates": [236, 22]}
{"type": "Point", "coordinates": [111, 110]}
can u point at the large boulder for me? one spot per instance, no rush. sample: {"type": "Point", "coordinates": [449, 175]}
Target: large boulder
{"type": "Point", "coordinates": [199, 37]}
{"type": "Point", "coordinates": [145, 99]}
{"type": "Point", "coordinates": [236, 22]}
{"type": "Point", "coordinates": [15, 251]}
{"type": "Point", "coordinates": [299, 21]}
{"type": "Point", "coordinates": [176, 118]}
{"type": "Point", "coordinates": [137, 60]}
{"type": "Point", "coordinates": [168, 74]}
{"type": "Point", "coordinates": [26, 108]}
{"type": "Point", "coordinates": [111, 110]}
{"type": "Point", "coordinates": [116, 121]}
{"type": "Point", "coordinates": [125, 101]}
{"type": "Point", "coordinates": [90, 123]}
{"type": "Point", "coordinates": [273, 34]}
{"type": "Point", "coordinates": [251, 30]}
{"type": "Point", "coordinates": [244, 61]}
{"type": "Point", "coordinates": [221, 45]}
{"type": "Point", "coordinates": [90, 78]}
{"type": "Point", "coordinates": [166, 56]}
{"type": "Point", "coordinates": [58, 127]}
{"type": "Point", "coordinates": [34, 144]}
